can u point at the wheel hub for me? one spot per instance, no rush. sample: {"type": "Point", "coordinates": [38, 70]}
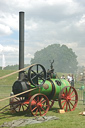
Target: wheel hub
{"type": "Point", "coordinates": [39, 104]}
{"type": "Point", "coordinates": [68, 98]}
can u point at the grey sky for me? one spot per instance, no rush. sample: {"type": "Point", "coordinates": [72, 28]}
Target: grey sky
{"type": "Point", "coordinates": [46, 22]}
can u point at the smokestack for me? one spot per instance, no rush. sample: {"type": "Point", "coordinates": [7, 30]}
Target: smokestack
{"type": "Point", "coordinates": [21, 44]}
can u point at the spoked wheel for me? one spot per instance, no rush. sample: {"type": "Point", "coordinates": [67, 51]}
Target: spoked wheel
{"type": "Point", "coordinates": [51, 102]}
{"type": "Point", "coordinates": [37, 74]}
{"type": "Point", "coordinates": [68, 98]}
{"type": "Point", "coordinates": [39, 104]}
{"type": "Point", "coordinates": [19, 104]}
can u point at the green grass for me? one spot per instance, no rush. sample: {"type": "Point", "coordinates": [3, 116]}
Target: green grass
{"type": "Point", "coordinates": [9, 80]}
{"type": "Point", "coordinates": [66, 120]}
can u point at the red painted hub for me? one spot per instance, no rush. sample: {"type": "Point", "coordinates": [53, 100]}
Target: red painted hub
{"type": "Point", "coordinates": [39, 104]}
{"type": "Point", "coordinates": [68, 98]}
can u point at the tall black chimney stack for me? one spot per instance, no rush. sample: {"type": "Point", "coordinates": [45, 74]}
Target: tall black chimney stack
{"type": "Point", "coordinates": [21, 44]}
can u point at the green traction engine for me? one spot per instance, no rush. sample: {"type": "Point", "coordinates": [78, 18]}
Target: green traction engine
{"type": "Point", "coordinates": [44, 89]}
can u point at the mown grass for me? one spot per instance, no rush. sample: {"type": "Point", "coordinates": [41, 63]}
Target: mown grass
{"type": "Point", "coordinates": [9, 80]}
{"type": "Point", "coordinates": [66, 120]}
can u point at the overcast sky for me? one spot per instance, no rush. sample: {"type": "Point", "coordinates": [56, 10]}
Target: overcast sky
{"type": "Point", "coordinates": [46, 22]}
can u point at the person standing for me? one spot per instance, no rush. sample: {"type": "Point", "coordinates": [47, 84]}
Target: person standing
{"type": "Point", "coordinates": [62, 77]}
{"type": "Point", "coordinates": [72, 81]}
{"type": "Point", "coordinates": [69, 78]}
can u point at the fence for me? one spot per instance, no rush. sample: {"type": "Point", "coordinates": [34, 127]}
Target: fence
{"type": "Point", "coordinates": [84, 97]}
{"type": "Point", "coordinates": [81, 94]}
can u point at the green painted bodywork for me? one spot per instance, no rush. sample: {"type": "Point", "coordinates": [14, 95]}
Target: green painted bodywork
{"type": "Point", "coordinates": [49, 90]}
{"type": "Point", "coordinates": [59, 88]}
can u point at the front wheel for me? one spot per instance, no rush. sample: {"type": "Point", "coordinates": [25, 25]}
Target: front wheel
{"type": "Point", "coordinates": [39, 104]}
{"type": "Point", "coordinates": [68, 98]}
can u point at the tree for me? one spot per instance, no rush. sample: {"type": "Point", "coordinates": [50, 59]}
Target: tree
{"type": "Point", "coordinates": [65, 60]}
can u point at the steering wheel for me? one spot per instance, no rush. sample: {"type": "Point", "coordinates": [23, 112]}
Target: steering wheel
{"type": "Point", "coordinates": [37, 75]}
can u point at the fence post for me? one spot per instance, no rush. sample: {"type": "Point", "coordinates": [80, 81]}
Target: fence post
{"type": "Point", "coordinates": [84, 86]}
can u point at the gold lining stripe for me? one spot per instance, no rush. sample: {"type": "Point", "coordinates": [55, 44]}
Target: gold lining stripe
{"type": "Point", "coordinates": [64, 83]}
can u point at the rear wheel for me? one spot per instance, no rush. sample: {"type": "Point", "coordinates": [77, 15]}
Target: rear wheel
{"type": "Point", "coordinates": [18, 104]}
{"type": "Point", "coordinates": [68, 98]}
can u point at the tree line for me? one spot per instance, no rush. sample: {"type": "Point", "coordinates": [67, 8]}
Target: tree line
{"type": "Point", "coordinates": [65, 60]}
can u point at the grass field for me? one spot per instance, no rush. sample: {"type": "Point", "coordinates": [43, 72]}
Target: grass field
{"type": "Point", "coordinates": [66, 120]}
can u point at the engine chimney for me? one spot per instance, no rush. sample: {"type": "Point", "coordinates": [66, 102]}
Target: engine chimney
{"type": "Point", "coordinates": [21, 44]}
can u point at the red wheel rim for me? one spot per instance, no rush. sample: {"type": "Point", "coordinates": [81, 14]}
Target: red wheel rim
{"type": "Point", "coordinates": [18, 104]}
{"type": "Point", "coordinates": [39, 104]}
{"type": "Point", "coordinates": [68, 98]}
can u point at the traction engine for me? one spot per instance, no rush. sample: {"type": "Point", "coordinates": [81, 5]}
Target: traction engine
{"type": "Point", "coordinates": [47, 89]}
